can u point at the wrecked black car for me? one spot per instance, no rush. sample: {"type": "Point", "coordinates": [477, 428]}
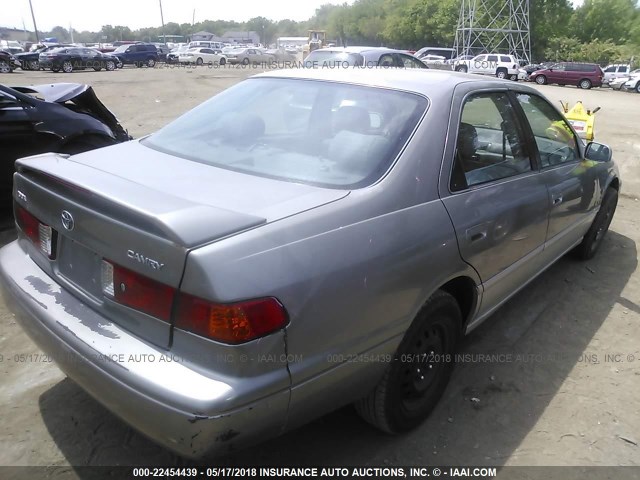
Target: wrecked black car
{"type": "Point", "coordinates": [60, 117]}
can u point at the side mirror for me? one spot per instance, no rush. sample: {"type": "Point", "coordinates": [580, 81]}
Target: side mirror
{"type": "Point", "coordinates": [598, 152]}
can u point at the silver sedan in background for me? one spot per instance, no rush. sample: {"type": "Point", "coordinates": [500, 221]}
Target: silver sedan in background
{"type": "Point", "coordinates": [304, 240]}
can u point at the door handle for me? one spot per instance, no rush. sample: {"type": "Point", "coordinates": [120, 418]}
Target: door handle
{"type": "Point", "coordinates": [478, 236]}
{"type": "Point", "coordinates": [557, 200]}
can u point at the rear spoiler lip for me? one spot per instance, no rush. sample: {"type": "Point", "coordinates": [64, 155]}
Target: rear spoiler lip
{"type": "Point", "coordinates": [177, 220]}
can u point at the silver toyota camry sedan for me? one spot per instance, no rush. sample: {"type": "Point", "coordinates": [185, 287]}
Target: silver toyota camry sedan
{"type": "Point", "coordinates": [304, 240]}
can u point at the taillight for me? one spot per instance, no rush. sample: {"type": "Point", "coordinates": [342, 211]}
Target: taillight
{"type": "Point", "coordinates": [232, 323]}
{"type": "Point", "coordinates": [41, 234]}
{"type": "Point", "coordinates": [137, 291]}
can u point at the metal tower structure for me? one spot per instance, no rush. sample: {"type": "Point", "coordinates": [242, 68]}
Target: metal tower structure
{"type": "Point", "coordinates": [487, 26]}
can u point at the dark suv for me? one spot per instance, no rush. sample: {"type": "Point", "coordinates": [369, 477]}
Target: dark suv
{"type": "Point", "coordinates": [138, 54]}
{"type": "Point", "coordinates": [583, 75]}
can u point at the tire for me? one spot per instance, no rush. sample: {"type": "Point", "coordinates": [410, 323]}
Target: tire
{"type": "Point", "coordinates": [404, 397]}
{"type": "Point", "coordinates": [585, 84]}
{"type": "Point", "coordinates": [151, 63]}
{"type": "Point", "coordinates": [67, 67]}
{"type": "Point", "coordinates": [4, 67]}
{"type": "Point", "coordinates": [97, 69]}
{"type": "Point", "coordinates": [462, 69]}
{"type": "Point", "coordinates": [637, 87]}
{"type": "Point", "coordinates": [223, 61]}
{"type": "Point", "coordinates": [541, 80]}
{"type": "Point", "coordinates": [245, 61]}
{"type": "Point", "coordinates": [598, 229]}
{"type": "Point", "coordinates": [199, 61]}
{"type": "Point", "coordinates": [501, 74]}
{"type": "Point", "coordinates": [55, 69]}
{"type": "Point", "coordinates": [33, 65]}
{"type": "Point", "coordinates": [86, 143]}
{"type": "Point", "coordinates": [514, 78]}
{"type": "Point", "coordinates": [110, 66]}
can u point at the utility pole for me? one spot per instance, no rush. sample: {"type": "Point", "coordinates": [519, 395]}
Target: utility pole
{"type": "Point", "coordinates": [164, 40]}
{"type": "Point", "coordinates": [35, 27]}
{"type": "Point", "coordinates": [193, 18]}
{"type": "Point", "coordinates": [71, 32]}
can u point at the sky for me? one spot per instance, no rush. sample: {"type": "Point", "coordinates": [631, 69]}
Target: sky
{"type": "Point", "coordinates": [92, 15]}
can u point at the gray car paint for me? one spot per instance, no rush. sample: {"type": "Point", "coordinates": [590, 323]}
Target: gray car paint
{"type": "Point", "coordinates": [351, 268]}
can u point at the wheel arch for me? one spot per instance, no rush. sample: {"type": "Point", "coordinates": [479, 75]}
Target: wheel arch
{"type": "Point", "coordinates": [465, 291]}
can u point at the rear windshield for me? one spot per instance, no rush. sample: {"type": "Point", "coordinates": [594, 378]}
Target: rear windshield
{"type": "Point", "coordinates": [319, 58]}
{"type": "Point", "coordinates": [321, 133]}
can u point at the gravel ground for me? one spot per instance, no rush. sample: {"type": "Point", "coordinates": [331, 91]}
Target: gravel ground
{"type": "Point", "coordinates": [562, 385]}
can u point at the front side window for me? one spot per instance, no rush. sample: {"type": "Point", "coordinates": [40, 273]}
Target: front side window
{"type": "Point", "coordinates": [407, 61]}
{"type": "Point", "coordinates": [321, 133]}
{"type": "Point", "coordinates": [490, 145]}
{"type": "Point", "coordinates": [555, 140]}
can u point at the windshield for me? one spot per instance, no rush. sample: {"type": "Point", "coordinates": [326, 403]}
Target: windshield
{"type": "Point", "coordinates": [328, 58]}
{"type": "Point", "coordinates": [121, 49]}
{"type": "Point", "coordinates": [321, 133]}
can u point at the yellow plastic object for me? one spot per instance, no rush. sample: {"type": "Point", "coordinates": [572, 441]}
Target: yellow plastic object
{"type": "Point", "coordinates": [581, 119]}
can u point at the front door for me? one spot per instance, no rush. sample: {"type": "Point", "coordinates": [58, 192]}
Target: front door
{"type": "Point", "coordinates": [574, 184]}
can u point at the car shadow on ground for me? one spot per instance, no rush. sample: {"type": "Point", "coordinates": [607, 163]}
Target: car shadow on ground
{"type": "Point", "coordinates": [492, 403]}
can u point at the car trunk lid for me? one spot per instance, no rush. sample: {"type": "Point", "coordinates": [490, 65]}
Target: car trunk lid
{"type": "Point", "coordinates": [132, 215]}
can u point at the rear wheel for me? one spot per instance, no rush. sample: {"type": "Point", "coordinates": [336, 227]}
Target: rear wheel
{"type": "Point", "coordinates": [86, 143]}
{"type": "Point", "coordinates": [67, 67]}
{"type": "Point", "coordinates": [461, 68]}
{"type": "Point", "coordinates": [199, 61]}
{"type": "Point", "coordinates": [596, 233]}
{"type": "Point", "coordinates": [501, 73]}
{"type": "Point", "coordinates": [418, 374]}
{"type": "Point", "coordinates": [33, 65]}
{"type": "Point", "coordinates": [245, 61]}
{"type": "Point", "coordinates": [541, 80]}
{"type": "Point", "coordinates": [585, 84]}
{"type": "Point", "coordinates": [110, 65]}
{"type": "Point", "coordinates": [55, 69]}
{"type": "Point", "coordinates": [5, 67]}
{"type": "Point", "coordinates": [638, 87]}
{"type": "Point", "coordinates": [97, 69]}
{"type": "Point", "coordinates": [151, 63]}
{"type": "Point", "coordinates": [223, 61]}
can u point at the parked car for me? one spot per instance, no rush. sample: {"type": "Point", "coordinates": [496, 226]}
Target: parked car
{"type": "Point", "coordinates": [611, 72]}
{"type": "Point", "coordinates": [583, 75]}
{"type": "Point", "coordinates": [59, 117]}
{"type": "Point", "coordinates": [75, 58]}
{"type": "Point", "coordinates": [8, 63]}
{"type": "Point", "coordinates": [11, 46]}
{"type": "Point", "coordinates": [172, 56]}
{"type": "Point", "coordinates": [361, 57]}
{"type": "Point", "coordinates": [200, 56]}
{"type": "Point", "coordinates": [447, 53]}
{"type": "Point", "coordinates": [619, 82]}
{"type": "Point", "coordinates": [247, 56]}
{"type": "Point", "coordinates": [282, 55]}
{"type": "Point", "coordinates": [29, 60]}
{"type": "Point", "coordinates": [633, 83]}
{"type": "Point", "coordinates": [276, 253]}
{"type": "Point", "coordinates": [138, 54]}
{"type": "Point", "coordinates": [163, 50]}
{"type": "Point", "coordinates": [494, 64]}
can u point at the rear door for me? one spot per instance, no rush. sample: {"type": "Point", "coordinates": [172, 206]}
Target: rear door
{"type": "Point", "coordinates": [495, 197]}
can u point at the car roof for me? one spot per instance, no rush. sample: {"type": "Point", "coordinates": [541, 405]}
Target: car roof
{"type": "Point", "coordinates": [359, 49]}
{"type": "Point", "coordinates": [427, 82]}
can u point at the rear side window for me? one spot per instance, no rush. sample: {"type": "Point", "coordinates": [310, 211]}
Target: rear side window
{"type": "Point", "coordinates": [556, 141]}
{"type": "Point", "coordinates": [490, 144]}
{"type": "Point", "coordinates": [505, 59]}
{"type": "Point", "coordinates": [492, 58]}
{"type": "Point", "coordinates": [321, 133]}
{"type": "Point", "coordinates": [610, 70]}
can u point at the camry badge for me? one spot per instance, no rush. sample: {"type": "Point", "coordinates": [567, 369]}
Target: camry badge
{"type": "Point", "coordinates": [67, 220]}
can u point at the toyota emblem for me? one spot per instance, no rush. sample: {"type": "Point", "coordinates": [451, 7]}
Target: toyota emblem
{"type": "Point", "coordinates": [67, 220]}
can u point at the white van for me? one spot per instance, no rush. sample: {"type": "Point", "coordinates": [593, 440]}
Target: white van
{"type": "Point", "coordinates": [206, 44]}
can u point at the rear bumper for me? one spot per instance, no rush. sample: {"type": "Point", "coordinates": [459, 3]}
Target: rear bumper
{"type": "Point", "coordinates": [172, 404]}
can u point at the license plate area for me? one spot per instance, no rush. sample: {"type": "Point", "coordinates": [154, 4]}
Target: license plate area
{"type": "Point", "coordinates": [79, 266]}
